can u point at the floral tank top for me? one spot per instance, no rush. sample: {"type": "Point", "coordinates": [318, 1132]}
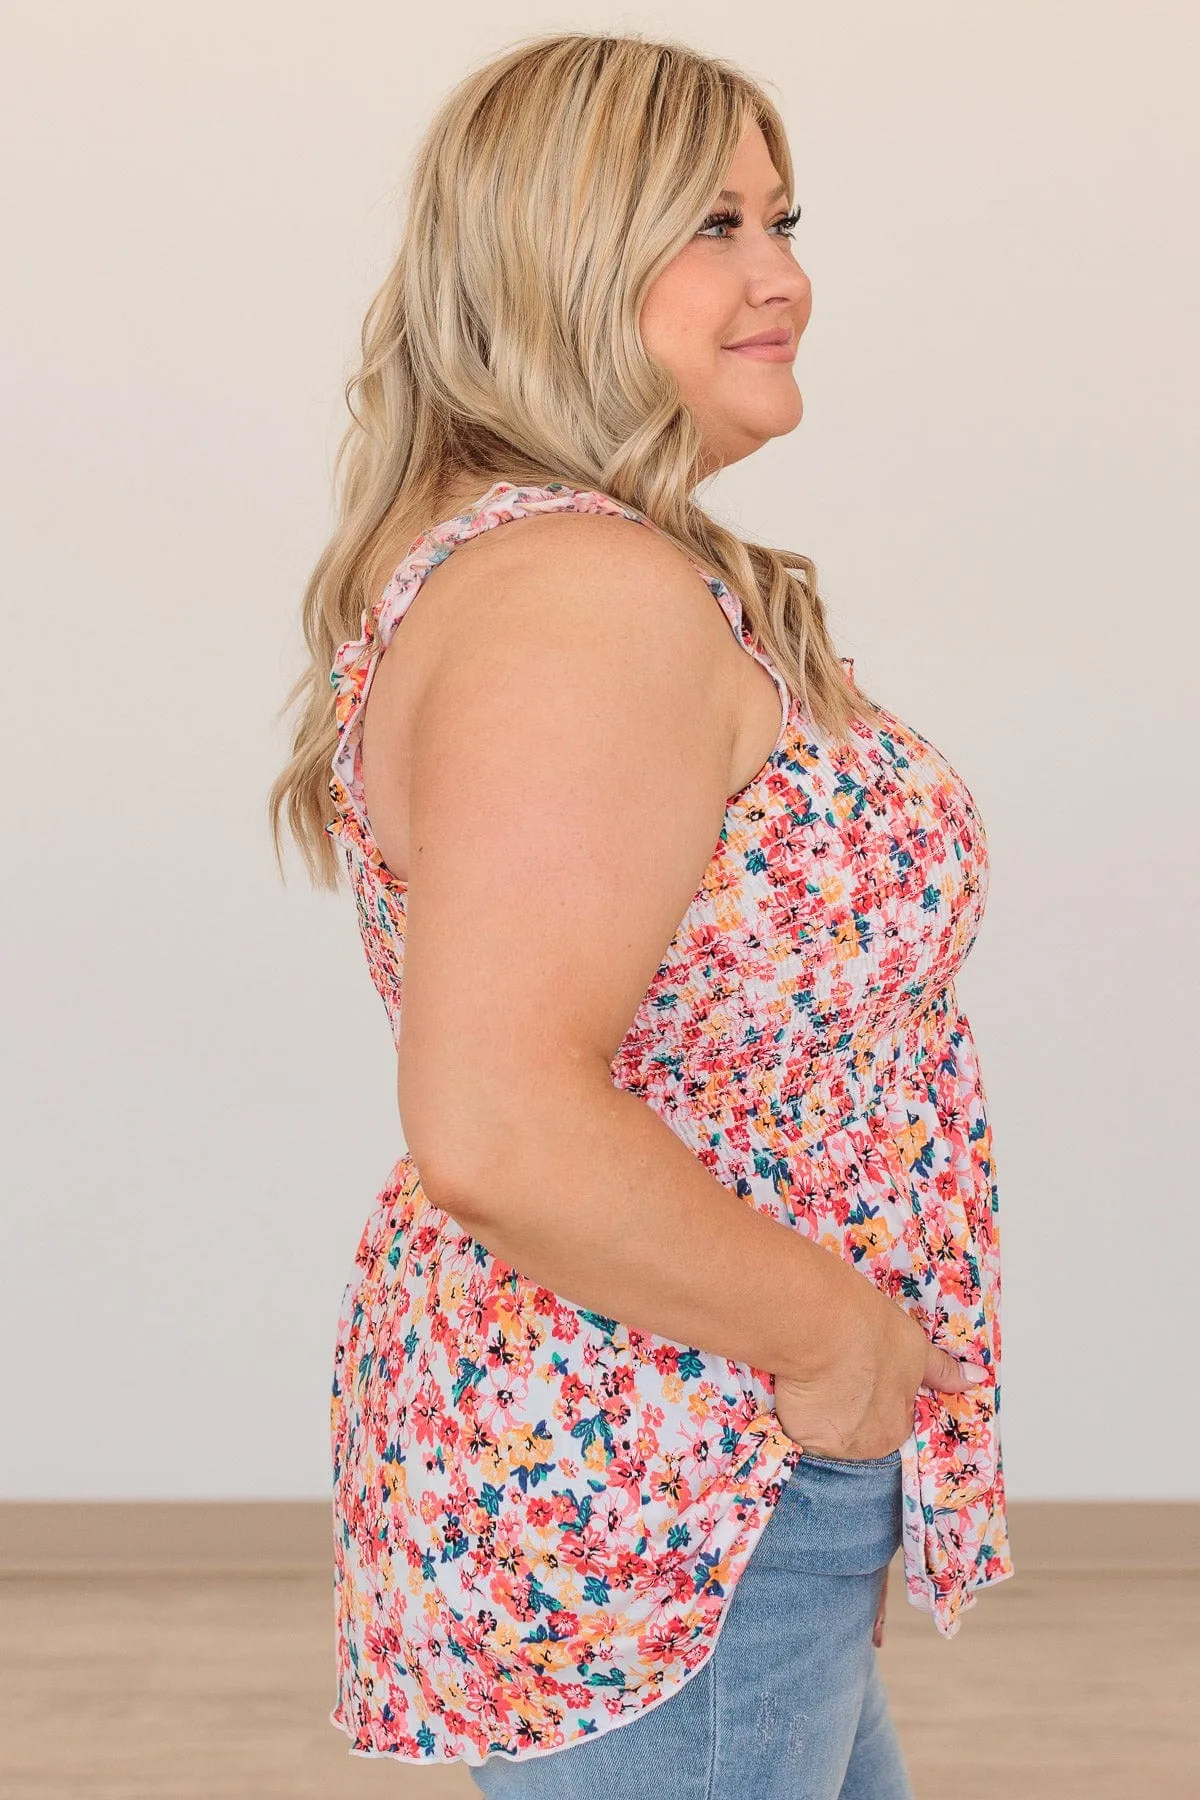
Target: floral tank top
{"type": "Point", "coordinates": [540, 1514]}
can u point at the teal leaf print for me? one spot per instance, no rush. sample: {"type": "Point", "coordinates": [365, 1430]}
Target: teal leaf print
{"type": "Point", "coordinates": [613, 1678]}
{"type": "Point", "coordinates": [539, 1598]}
{"type": "Point", "coordinates": [599, 1321]}
{"type": "Point", "coordinates": [588, 1430]}
{"type": "Point", "coordinates": [469, 1374]}
{"type": "Point", "coordinates": [704, 1578]}
{"type": "Point", "coordinates": [530, 1477]}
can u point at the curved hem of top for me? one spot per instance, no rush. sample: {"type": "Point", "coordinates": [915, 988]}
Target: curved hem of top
{"type": "Point", "coordinates": [926, 1602]}
{"type": "Point", "coordinates": [758, 1465]}
{"type": "Point", "coordinates": [925, 1599]}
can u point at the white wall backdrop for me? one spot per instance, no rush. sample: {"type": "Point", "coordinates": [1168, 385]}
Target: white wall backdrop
{"type": "Point", "coordinates": [996, 475]}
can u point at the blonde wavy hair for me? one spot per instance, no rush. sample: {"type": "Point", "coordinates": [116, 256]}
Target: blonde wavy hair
{"type": "Point", "coordinates": [550, 189]}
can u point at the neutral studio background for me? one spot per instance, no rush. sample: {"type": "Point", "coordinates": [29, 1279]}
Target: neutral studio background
{"type": "Point", "coordinates": [996, 475]}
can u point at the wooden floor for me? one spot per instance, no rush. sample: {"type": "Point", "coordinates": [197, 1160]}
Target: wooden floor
{"type": "Point", "coordinates": [212, 1687]}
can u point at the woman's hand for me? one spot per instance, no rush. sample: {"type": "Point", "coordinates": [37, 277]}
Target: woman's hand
{"type": "Point", "coordinates": [861, 1404]}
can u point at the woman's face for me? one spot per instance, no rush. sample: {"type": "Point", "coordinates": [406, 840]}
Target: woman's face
{"type": "Point", "coordinates": [733, 281]}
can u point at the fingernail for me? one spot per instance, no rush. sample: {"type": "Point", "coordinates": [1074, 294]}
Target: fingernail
{"type": "Point", "coordinates": [973, 1373]}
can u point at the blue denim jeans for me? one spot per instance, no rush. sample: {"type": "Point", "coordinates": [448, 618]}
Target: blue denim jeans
{"type": "Point", "coordinates": [790, 1704]}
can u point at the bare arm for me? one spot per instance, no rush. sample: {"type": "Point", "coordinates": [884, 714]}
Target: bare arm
{"type": "Point", "coordinates": [568, 782]}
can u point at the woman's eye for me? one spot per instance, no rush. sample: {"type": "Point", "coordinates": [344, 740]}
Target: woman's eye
{"type": "Point", "coordinates": [732, 220]}
{"type": "Point", "coordinates": [719, 219]}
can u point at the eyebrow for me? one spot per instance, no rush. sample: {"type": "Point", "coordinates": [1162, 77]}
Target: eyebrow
{"type": "Point", "coordinates": [733, 194]}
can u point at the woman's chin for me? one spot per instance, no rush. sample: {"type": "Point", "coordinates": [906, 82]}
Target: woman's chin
{"type": "Point", "coordinates": [777, 421]}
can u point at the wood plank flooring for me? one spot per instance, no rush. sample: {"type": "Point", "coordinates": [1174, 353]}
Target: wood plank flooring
{"type": "Point", "coordinates": [155, 1686]}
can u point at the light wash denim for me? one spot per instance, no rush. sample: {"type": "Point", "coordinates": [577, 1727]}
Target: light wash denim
{"type": "Point", "coordinates": [790, 1704]}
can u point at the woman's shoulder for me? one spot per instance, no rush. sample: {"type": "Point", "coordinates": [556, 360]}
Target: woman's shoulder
{"type": "Point", "coordinates": [580, 558]}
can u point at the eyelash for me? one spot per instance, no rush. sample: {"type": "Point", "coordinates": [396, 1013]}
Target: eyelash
{"type": "Point", "coordinates": [734, 219]}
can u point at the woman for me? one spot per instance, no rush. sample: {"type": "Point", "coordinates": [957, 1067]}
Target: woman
{"type": "Point", "coordinates": [678, 1317]}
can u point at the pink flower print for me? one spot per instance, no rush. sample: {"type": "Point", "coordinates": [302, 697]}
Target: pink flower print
{"type": "Point", "coordinates": [511, 1595]}
{"type": "Point", "coordinates": [627, 1566]}
{"type": "Point", "coordinates": [666, 1643]}
{"type": "Point", "coordinates": [500, 1403]}
{"type": "Point", "coordinates": [702, 1441]}
{"type": "Point", "coordinates": [671, 1484]}
{"type": "Point", "coordinates": [426, 1413]}
{"type": "Point", "coordinates": [586, 1549]}
{"type": "Point", "coordinates": [613, 1509]}
{"type": "Point", "coordinates": [625, 1472]}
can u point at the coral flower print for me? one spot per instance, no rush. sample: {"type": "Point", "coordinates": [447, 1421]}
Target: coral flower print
{"type": "Point", "coordinates": [540, 1513]}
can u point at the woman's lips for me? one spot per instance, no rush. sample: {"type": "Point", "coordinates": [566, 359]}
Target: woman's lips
{"type": "Point", "coordinates": [762, 352]}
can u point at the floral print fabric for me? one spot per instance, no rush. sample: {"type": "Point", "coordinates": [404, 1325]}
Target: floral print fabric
{"type": "Point", "coordinates": [541, 1514]}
